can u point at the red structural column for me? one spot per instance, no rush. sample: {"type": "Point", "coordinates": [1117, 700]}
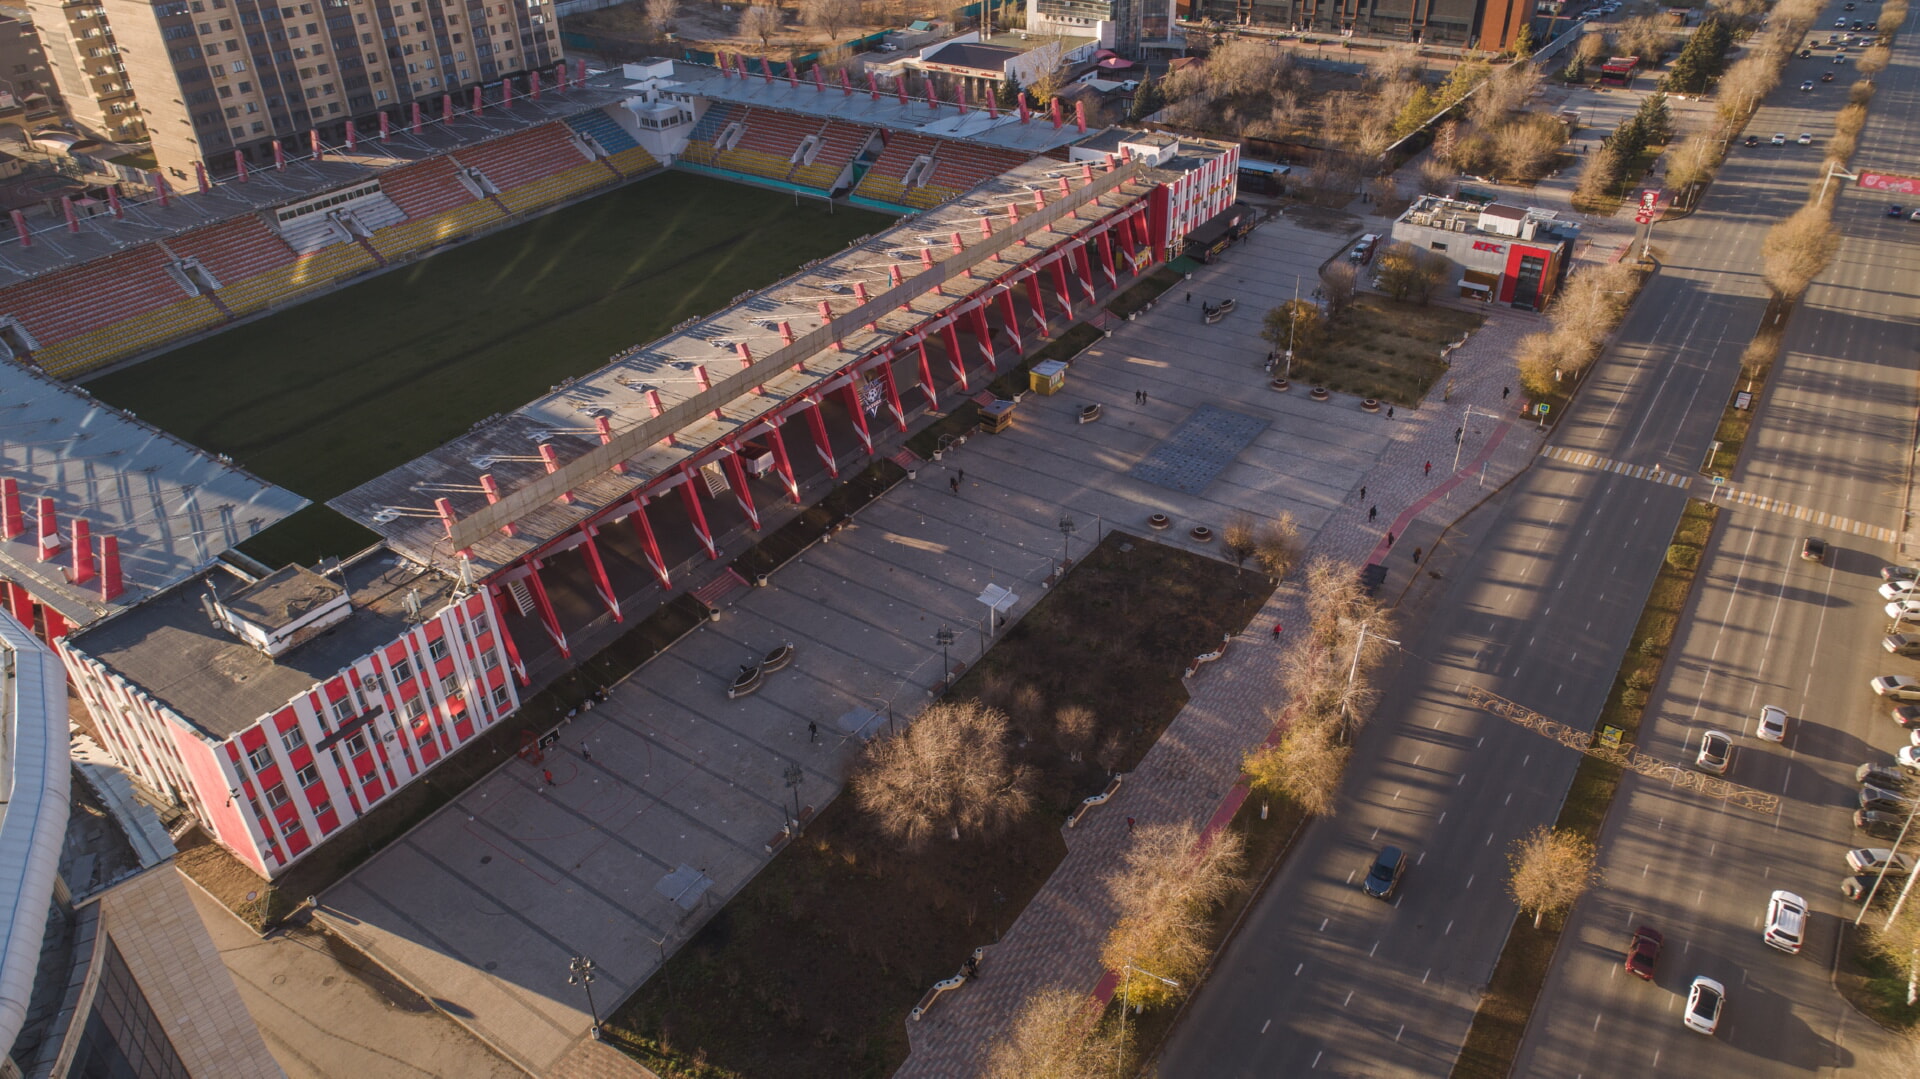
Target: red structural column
{"type": "Point", "coordinates": [601, 582]}
{"type": "Point", "coordinates": [1106, 258]}
{"type": "Point", "coordinates": [858, 413]}
{"type": "Point", "coordinates": [648, 543]}
{"type": "Point", "coordinates": [926, 376]}
{"type": "Point", "coordinates": [1084, 266]}
{"type": "Point", "coordinates": [20, 603]}
{"type": "Point", "coordinates": [1060, 284]}
{"type": "Point", "coordinates": [782, 463]}
{"type": "Point", "coordinates": [892, 395]}
{"type": "Point", "coordinates": [1013, 327]}
{"type": "Point", "coordinates": [818, 425]}
{"type": "Point", "coordinates": [1037, 301]}
{"type": "Point", "coordinates": [698, 515]}
{"type": "Point", "coordinates": [545, 606]}
{"type": "Point", "coordinates": [506, 638]}
{"type": "Point", "coordinates": [952, 338]}
{"type": "Point", "coordinates": [737, 478]}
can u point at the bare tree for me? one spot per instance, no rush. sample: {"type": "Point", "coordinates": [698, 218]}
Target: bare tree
{"type": "Point", "coordinates": [1874, 60]}
{"type": "Point", "coordinates": [1436, 177]}
{"type": "Point", "coordinates": [1797, 249]}
{"type": "Point", "coordinates": [1593, 300]}
{"type": "Point", "coordinates": [1597, 179]}
{"type": "Point", "coordinates": [1027, 707]}
{"type": "Point", "coordinates": [1592, 49]}
{"type": "Point", "coordinates": [1407, 272]}
{"type": "Point", "coordinates": [1446, 139]}
{"type": "Point", "coordinates": [1074, 728]}
{"type": "Point", "coordinates": [1239, 539]}
{"type": "Point", "coordinates": [947, 771]}
{"type": "Point", "coordinates": [830, 15]}
{"type": "Point", "coordinates": [1534, 360]}
{"type": "Point", "coordinates": [1165, 890]}
{"type": "Point", "coordinates": [1305, 766]}
{"type": "Point", "coordinates": [1277, 545]}
{"type": "Point", "coordinates": [760, 22]}
{"type": "Point", "coordinates": [1052, 1036]}
{"type": "Point", "coordinates": [1692, 162]}
{"type": "Point", "coordinates": [1398, 63]}
{"type": "Point", "coordinates": [1384, 190]}
{"type": "Point", "coordinates": [1551, 869]}
{"type": "Point", "coordinates": [1523, 148]}
{"type": "Point", "coordinates": [661, 15]}
{"type": "Point", "coordinates": [1339, 284]}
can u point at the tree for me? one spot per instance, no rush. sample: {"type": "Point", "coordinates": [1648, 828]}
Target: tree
{"type": "Point", "coordinates": [1051, 1037]}
{"type": "Point", "coordinates": [1524, 147]}
{"type": "Point", "coordinates": [1702, 59]}
{"type": "Point", "coordinates": [1522, 46]}
{"type": "Point", "coordinates": [829, 15]}
{"type": "Point", "coordinates": [1417, 110]}
{"type": "Point", "coordinates": [1593, 300]}
{"type": "Point", "coordinates": [1277, 545]}
{"type": "Point", "coordinates": [661, 15]}
{"type": "Point", "coordinates": [1147, 100]}
{"type": "Point", "coordinates": [1446, 139]}
{"type": "Point", "coordinates": [1305, 767]}
{"type": "Point", "coordinates": [1797, 249]}
{"type": "Point", "coordinates": [1534, 362]}
{"type": "Point", "coordinates": [1551, 869]}
{"type": "Point", "coordinates": [1339, 285]}
{"type": "Point", "coordinates": [1407, 272]}
{"type": "Point", "coordinates": [947, 771]}
{"type": "Point", "coordinates": [1048, 85]}
{"type": "Point", "coordinates": [1296, 325]}
{"type": "Point", "coordinates": [760, 22]}
{"type": "Point", "coordinates": [1599, 177]}
{"type": "Point", "coordinates": [1692, 163]}
{"type": "Point", "coordinates": [1007, 93]}
{"type": "Point", "coordinates": [1074, 728]}
{"type": "Point", "coordinates": [1239, 539]}
{"type": "Point", "coordinates": [1167, 885]}
{"type": "Point", "coordinates": [1592, 49]}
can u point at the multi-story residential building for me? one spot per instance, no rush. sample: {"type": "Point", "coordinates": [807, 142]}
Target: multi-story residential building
{"type": "Point", "coordinates": [213, 78]}
{"type": "Point", "coordinates": [85, 63]}
{"type": "Point", "coordinates": [25, 77]}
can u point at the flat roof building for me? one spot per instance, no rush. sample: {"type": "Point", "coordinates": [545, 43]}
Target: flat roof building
{"type": "Point", "coordinates": [1501, 254]}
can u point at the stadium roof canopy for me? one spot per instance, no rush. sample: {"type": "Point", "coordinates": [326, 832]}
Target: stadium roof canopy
{"type": "Point", "coordinates": [171, 507]}
{"type": "Point", "coordinates": [861, 105]}
{"type": "Point", "coordinates": [707, 391]}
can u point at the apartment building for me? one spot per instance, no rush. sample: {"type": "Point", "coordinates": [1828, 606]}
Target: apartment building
{"type": "Point", "coordinates": [84, 60]}
{"type": "Point", "coordinates": [25, 79]}
{"type": "Point", "coordinates": [212, 78]}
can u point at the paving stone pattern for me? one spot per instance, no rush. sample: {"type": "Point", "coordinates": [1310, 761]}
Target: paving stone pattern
{"type": "Point", "coordinates": [1198, 450]}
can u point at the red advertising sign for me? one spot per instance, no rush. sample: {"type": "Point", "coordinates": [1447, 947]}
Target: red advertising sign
{"type": "Point", "coordinates": [1482, 245]}
{"type": "Point", "coordinates": [1649, 198]}
{"type": "Point", "coordinates": [1880, 181]}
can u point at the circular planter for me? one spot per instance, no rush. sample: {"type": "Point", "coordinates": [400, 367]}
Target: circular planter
{"type": "Point", "coordinates": [1159, 521]}
{"type": "Point", "coordinates": [760, 580]}
{"type": "Point", "coordinates": [1370, 405]}
{"type": "Point", "coordinates": [1201, 533]}
{"type": "Point", "coordinates": [1280, 384]}
{"type": "Point", "coordinates": [1319, 393]}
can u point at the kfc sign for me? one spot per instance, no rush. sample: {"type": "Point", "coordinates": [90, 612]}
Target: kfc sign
{"type": "Point", "coordinates": [1482, 245]}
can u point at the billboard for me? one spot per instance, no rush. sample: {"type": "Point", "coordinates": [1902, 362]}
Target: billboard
{"type": "Point", "coordinates": [1880, 181]}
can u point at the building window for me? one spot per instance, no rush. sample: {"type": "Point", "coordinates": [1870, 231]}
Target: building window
{"type": "Point", "coordinates": [403, 669]}
{"type": "Point", "coordinates": [343, 710]}
{"type": "Point", "coordinates": [450, 686]}
{"type": "Point", "coordinates": [367, 777]}
{"type": "Point", "coordinates": [437, 648]}
{"type": "Point", "coordinates": [415, 707]}
{"type": "Point", "coordinates": [356, 745]}
{"type": "Point", "coordinates": [292, 828]}
{"type": "Point", "coordinates": [308, 775]}
{"type": "Point", "coordinates": [292, 739]}
{"type": "Point", "coordinates": [501, 698]}
{"type": "Point", "coordinates": [322, 809]}
{"type": "Point", "coordinates": [277, 795]}
{"type": "Point", "coordinates": [260, 758]}
{"type": "Point", "coordinates": [1438, 245]}
{"type": "Point", "coordinates": [237, 66]}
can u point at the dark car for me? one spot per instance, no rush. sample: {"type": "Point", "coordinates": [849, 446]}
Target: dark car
{"type": "Point", "coordinates": [1883, 800]}
{"type": "Point", "coordinates": [1878, 823]}
{"type": "Point", "coordinates": [1384, 876]}
{"type": "Point", "coordinates": [1753, 140]}
{"type": "Point", "coordinates": [1826, 76]}
{"type": "Point", "coordinates": [1908, 716]}
{"type": "Point", "coordinates": [1893, 211]}
{"type": "Point", "coordinates": [1643, 952]}
{"type": "Point", "coordinates": [1856, 889]}
{"type": "Point", "coordinates": [1881, 775]}
{"type": "Point", "coordinates": [1813, 549]}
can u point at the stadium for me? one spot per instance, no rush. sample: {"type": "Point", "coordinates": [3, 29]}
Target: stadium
{"type": "Point", "coordinates": [686, 301]}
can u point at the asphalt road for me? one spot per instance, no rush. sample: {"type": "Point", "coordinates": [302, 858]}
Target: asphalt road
{"type": "Point", "coordinates": [1833, 434]}
{"type": "Point", "coordinates": [1322, 979]}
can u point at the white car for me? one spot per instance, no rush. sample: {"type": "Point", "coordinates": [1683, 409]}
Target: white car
{"type": "Point", "coordinates": [1900, 590]}
{"type": "Point", "coordinates": [1805, 139]}
{"type": "Point", "coordinates": [1706, 998]}
{"type": "Point", "coordinates": [1908, 758]}
{"type": "Point", "coordinates": [1716, 752]}
{"type": "Point", "coordinates": [1806, 86]}
{"type": "Point", "coordinates": [1779, 138]}
{"type": "Point", "coordinates": [1904, 610]}
{"type": "Point", "coordinates": [1871, 859]}
{"type": "Point", "coordinates": [1897, 687]}
{"type": "Point", "coordinates": [1772, 724]}
{"type": "Point", "coordinates": [1786, 922]}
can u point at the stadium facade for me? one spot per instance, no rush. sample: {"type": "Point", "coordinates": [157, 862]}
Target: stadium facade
{"type": "Point", "coordinates": [278, 706]}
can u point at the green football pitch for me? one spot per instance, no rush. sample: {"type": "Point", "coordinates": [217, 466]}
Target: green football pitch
{"type": "Point", "coordinates": [327, 395]}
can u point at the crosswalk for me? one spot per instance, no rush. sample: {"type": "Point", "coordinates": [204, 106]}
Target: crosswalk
{"type": "Point", "coordinates": [1724, 494]}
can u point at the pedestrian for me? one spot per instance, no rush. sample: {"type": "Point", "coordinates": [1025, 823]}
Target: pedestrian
{"type": "Point", "coordinates": [1389, 411]}
{"type": "Point", "coordinates": [1429, 469]}
{"type": "Point", "coordinates": [1143, 397]}
{"type": "Point", "coordinates": [1277, 627]}
{"type": "Point", "coordinates": [1363, 493]}
{"type": "Point", "coordinates": [1389, 541]}
{"type": "Point", "coordinates": [547, 773]}
{"type": "Point", "coordinates": [813, 731]}
{"type": "Point", "coordinates": [1504, 391]}
{"type": "Point", "coordinates": [961, 474]}
{"type": "Point", "coordinates": [1456, 435]}
{"type": "Point", "coordinates": [1372, 512]}
{"type": "Point", "coordinates": [1189, 297]}
{"type": "Point", "coordinates": [1129, 824]}
{"type": "Point", "coordinates": [585, 753]}
{"type": "Point", "coordinates": [1416, 555]}
{"type": "Point", "coordinates": [953, 484]}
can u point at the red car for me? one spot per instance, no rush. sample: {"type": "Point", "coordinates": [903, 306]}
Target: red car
{"type": "Point", "coordinates": [1644, 953]}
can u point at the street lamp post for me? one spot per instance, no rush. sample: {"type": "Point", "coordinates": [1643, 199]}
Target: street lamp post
{"type": "Point", "coordinates": [793, 775]}
{"type": "Point", "coordinates": [1465, 419]}
{"type": "Point", "coordinates": [944, 637]}
{"type": "Point", "coordinates": [1833, 168]}
{"type": "Point", "coordinates": [1353, 671]}
{"type": "Point", "coordinates": [1292, 322]}
{"type": "Point", "coordinates": [1068, 526]}
{"type": "Point", "coordinates": [1126, 998]}
{"type": "Point", "coordinates": [580, 973]}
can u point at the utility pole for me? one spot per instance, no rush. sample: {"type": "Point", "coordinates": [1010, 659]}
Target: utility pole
{"type": "Point", "coordinates": [1353, 670]}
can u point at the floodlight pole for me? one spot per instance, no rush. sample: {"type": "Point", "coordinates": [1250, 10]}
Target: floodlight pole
{"type": "Point", "coordinates": [1833, 167]}
{"type": "Point", "coordinates": [1293, 321]}
{"type": "Point", "coordinates": [580, 973]}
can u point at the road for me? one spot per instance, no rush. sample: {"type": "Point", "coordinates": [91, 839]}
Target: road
{"type": "Point", "coordinates": [1834, 435]}
{"type": "Point", "coordinates": [1323, 980]}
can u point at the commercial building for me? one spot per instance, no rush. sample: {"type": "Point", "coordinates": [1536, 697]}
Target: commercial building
{"type": "Point", "coordinates": [1478, 24]}
{"type": "Point", "coordinates": [1120, 25]}
{"type": "Point", "coordinates": [211, 79]}
{"type": "Point", "coordinates": [1501, 254]}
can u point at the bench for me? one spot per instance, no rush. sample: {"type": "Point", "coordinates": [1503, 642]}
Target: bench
{"type": "Point", "coordinates": [1087, 803]}
{"type": "Point", "coordinates": [971, 969]}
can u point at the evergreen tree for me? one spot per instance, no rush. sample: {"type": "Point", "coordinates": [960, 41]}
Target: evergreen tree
{"type": "Point", "coordinates": [1147, 100]}
{"type": "Point", "coordinates": [1007, 93]}
{"type": "Point", "coordinates": [1418, 110]}
{"type": "Point", "coordinates": [1522, 46]}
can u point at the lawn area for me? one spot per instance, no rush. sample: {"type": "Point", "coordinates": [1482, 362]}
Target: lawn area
{"type": "Point", "coordinates": [1870, 983]}
{"type": "Point", "coordinates": [1385, 348]}
{"type": "Point", "coordinates": [812, 968]}
{"type": "Point", "coordinates": [324, 396]}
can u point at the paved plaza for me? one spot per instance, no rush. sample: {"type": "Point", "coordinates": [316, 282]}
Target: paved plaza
{"type": "Point", "coordinates": [659, 805]}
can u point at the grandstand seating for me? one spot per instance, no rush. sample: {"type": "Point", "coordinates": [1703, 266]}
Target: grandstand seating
{"type": "Point", "coordinates": [885, 181]}
{"type": "Point", "coordinates": [78, 355]}
{"type": "Point", "coordinates": [842, 142]}
{"type": "Point", "coordinates": [310, 272]}
{"type": "Point", "coordinates": [234, 249]}
{"type": "Point", "coordinates": [718, 116]}
{"type": "Point", "coordinates": [425, 188]}
{"type": "Point", "coordinates": [63, 305]}
{"type": "Point", "coordinates": [524, 157]}
{"type": "Point", "coordinates": [605, 130]}
{"type": "Point", "coordinates": [447, 226]}
{"type": "Point", "coordinates": [957, 168]}
{"type": "Point", "coordinates": [634, 161]}
{"type": "Point", "coordinates": [960, 166]}
{"type": "Point", "coordinates": [561, 185]}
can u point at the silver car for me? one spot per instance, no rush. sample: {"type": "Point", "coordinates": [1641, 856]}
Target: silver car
{"type": "Point", "coordinates": [1716, 753]}
{"type": "Point", "coordinates": [1897, 687]}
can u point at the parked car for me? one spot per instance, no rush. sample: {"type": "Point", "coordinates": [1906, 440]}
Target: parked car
{"type": "Point", "coordinates": [1643, 952]}
{"type": "Point", "coordinates": [1897, 687]}
{"type": "Point", "coordinates": [1813, 548]}
{"type": "Point", "coordinates": [1786, 925]}
{"type": "Point", "coordinates": [1881, 775]}
{"type": "Point", "coordinates": [1908, 716]}
{"type": "Point", "coordinates": [1884, 799]}
{"type": "Point", "coordinates": [1879, 824]}
{"type": "Point", "coordinates": [1873, 859]}
{"type": "Point", "coordinates": [1856, 889]}
{"type": "Point", "coordinates": [1384, 876]}
{"type": "Point", "coordinates": [1899, 590]}
{"type": "Point", "coordinates": [1904, 610]}
{"type": "Point", "coordinates": [1899, 573]}
{"type": "Point", "coordinates": [1716, 752]}
{"type": "Point", "coordinates": [1706, 999]}
{"type": "Point", "coordinates": [1772, 724]}
{"type": "Point", "coordinates": [1901, 644]}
